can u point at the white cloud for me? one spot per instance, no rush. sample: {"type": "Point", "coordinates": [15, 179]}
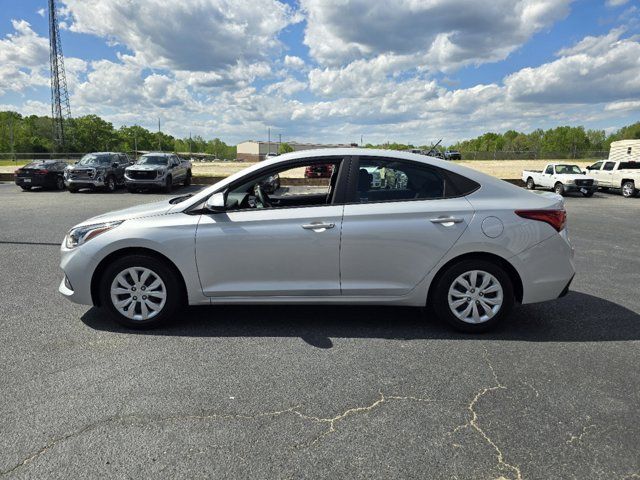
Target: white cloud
{"type": "Point", "coordinates": [286, 87]}
{"type": "Point", "coordinates": [441, 34]}
{"type": "Point", "coordinates": [197, 35]}
{"type": "Point", "coordinates": [24, 58]}
{"type": "Point", "coordinates": [616, 3]}
{"type": "Point", "coordinates": [597, 69]}
{"type": "Point", "coordinates": [41, 12]}
{"type": "Point", "coordinates": [294, 62]}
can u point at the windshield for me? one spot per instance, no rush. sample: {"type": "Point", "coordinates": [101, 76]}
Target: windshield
{"type": "Point", "coordinates": [152, 160]}
{"type": "Point", "coordinates": [91, 159]}
{"type": "Point", "coordinates": [574, 169]}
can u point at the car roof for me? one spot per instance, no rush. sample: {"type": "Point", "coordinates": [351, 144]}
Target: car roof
{"type": "Point", "coordinates": [158, 154]}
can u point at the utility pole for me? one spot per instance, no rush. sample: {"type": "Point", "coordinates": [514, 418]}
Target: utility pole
{"type": "Point", "coordinates": [361, 140]}
{"type": "Point", "coordinates": [190, 149]}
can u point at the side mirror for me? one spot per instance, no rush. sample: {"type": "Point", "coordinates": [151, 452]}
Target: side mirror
{"type": "Point", "coordinates": [216, 203]}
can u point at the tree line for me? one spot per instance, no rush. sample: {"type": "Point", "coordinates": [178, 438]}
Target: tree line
{"type": "Point", "coordinates": [564, 141]}
{"type": "Point", "coordinates": [32, 134]}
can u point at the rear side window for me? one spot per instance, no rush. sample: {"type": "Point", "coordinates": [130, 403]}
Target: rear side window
{"type": "Point", "coordinates": [386, 180]}
{"type": "Point", "coordinates": [629, 165]}
{"type": "Point", "coordinates": [609, 165]}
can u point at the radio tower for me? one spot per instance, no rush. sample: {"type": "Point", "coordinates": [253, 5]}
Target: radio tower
{"type": "Point", "coordinates": [60, 109]}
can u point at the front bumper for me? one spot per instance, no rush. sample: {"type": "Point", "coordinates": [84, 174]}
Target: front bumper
{"type": "Point", "coordinates": [155, 183]}
{"type": "Point", "coordinates": [84, 182]}
{"type": "Point", "coordinates": [78, 270]}
{"type": "Point", "coordinates": [578, 188]}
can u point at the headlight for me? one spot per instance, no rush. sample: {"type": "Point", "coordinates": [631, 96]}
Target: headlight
{"type": "Point", "coordinates": [568, 182]}
{"type": "Point", "coordinates": [595, 182]}
{"type": "Point", "coordinates": [159, 173]}
{"type": "Point", "coordinates": [79, 235]}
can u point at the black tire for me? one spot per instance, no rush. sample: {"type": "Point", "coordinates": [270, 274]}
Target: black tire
{"type": "Point", "coordinates": [187, 180]}
{"type": "Point", "coordinates": [531, 185]}
{"type": "Point", "coordinates": [559, 188]}
{"type": "Point", "coordinates": [60, 183]}
{"type": "Point", "coordinates": [110, 184]}
{"type": "Point", "coordinates": [168, 184]}
{"type": "Point", "coordinates": [589, 193]}
{"type": "Point", "coordinates": [174, 296]}
{"type": "Point", "coordinates": [26, 188]}
{"type": "Point", "coordinates": [440, 295]}
{"type": "Point", "coordinates": [72, 189]}
{"type": "Point", "coordinates": [629, 189]}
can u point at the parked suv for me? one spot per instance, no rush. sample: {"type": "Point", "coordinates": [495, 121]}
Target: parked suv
{"type": "Point", "coordinates": [158, 170]}
{"type": "Point", "coordinates": [104, 170]}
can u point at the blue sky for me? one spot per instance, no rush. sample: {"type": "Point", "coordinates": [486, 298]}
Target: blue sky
{"type": "Point", "coordinates": [331, 70]}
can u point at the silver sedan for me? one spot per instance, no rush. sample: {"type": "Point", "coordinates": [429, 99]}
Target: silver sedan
{"type": "Point", "coordinates": [387, 228]}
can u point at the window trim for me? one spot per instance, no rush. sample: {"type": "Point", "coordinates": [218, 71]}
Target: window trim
{"type": "Point", "coordinates": [337, 199]}
{"type": "Point", "coordinates": [353, 183]}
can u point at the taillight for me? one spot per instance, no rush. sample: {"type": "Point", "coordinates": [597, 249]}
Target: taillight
{"type": "Point", "coordinates": [42, 172]}
{"type": "Point", "coordinates": [556, 218]}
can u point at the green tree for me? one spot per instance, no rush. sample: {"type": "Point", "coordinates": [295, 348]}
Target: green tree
{"type": "Point", "coordinates": [285, 148]}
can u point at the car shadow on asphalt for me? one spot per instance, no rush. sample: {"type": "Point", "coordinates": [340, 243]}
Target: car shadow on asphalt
{"type": "Point", "coordinates": [578, 317]}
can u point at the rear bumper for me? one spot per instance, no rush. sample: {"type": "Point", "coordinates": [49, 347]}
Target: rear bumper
{"type": "Point", "coordinates": [546, 269]}
{"type": "Point", "coordinates": [33, 182]}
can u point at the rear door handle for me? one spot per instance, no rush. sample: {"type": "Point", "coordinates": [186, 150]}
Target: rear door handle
{"type": "Point", "coordinates": [445, 220]}
{"type": "Point", "coordinates": [318, 227]}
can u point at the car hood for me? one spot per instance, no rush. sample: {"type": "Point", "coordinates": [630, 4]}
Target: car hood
{"type": "Point", "coordinates": [139, 211]}
{"type": "Point", "coordinates": [83, 167]}
{"type": "Point", "coordinates": [573, 176]}
{"type": "Point", "coordinates": [146, 168]}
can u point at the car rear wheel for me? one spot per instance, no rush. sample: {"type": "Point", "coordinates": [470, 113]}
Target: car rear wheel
{"type": "Point", "coordinates": [531, 184]}
{"type": "Point", "coordinates": [60, 183]}
{"type": "Point", "coordinates": [559, 188]}
{"type": "Point", "coordinates": [140, 291]}
{"type": "Point", "coordinates": [187, 180]}
{"type": "Point", "coordinates": [473, 295]}
{"type": "Point", "coordinates": [629, 189]}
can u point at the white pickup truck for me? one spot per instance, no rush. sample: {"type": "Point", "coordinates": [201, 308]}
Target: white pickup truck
{"type": "Point", "coordinates": [624, 175]}
{"type": "Point", "coordinates": [561, 178]}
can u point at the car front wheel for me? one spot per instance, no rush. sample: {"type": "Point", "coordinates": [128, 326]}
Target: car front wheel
{"type": "Point", "coordinates": [473, 295]}
{"type": "Point", "coordinates": [140, 291]}
{"type": "Point", "coordinates": [531, 184]}
{"type": "Point", "coordinates": [559, 188]}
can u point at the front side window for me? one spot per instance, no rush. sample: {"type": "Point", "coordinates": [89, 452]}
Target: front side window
{"type": "Point", "coordinates": [549, 170]}
{"type": "Point", "coordinates": [609, 165]}
{"type": "Point", "coordinates": [595, 166]}
{"type": "Point", "coordinates": [300, 185]}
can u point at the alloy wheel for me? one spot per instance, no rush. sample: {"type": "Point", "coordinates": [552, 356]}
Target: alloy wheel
{"type": "Point", "coordinates": [627, 189]}
{"type": "Point", "coordinates": [138, 293]}
{"type": "Point", "coordinates": [475, 296]}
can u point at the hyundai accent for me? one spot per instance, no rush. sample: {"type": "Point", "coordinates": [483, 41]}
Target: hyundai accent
{"type": "Point", "coordinates": [387, 228]}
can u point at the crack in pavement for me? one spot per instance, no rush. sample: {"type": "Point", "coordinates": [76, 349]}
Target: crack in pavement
{"type": "Point", "coordinates": [219, 416]}
{"type": "Point", "coordinates": [473, 421]}
{"type": "Point", "coordinates": [578, 438]}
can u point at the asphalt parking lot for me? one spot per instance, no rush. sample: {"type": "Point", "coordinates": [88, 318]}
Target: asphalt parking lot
{"type": "Point", "coordinates": [308, 392]}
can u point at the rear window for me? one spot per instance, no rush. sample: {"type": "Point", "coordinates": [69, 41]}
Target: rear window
{"type": "Point", "coordinates": [629, 166]}
{"type": "Point", "coordinates": [40, 164]}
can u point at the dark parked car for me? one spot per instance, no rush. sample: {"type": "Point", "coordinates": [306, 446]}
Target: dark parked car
{"type": "Point", "coordinates": [318, 171]}
{"type": "Point", "coordinates": [41, 173]}
{"type": "Point", "coordinates": [103, 170]}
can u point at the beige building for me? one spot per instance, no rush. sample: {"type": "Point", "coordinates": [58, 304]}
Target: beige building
{"type": "Point", "coordinates": [625, 151]}
{"type": "Point", "coordinates": [256, 151]}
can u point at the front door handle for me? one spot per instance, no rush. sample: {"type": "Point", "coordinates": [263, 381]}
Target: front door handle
{"type": "Point", "coordinates": [446, 220]}
{"type": "Point", "coordinates": [318, 226]}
